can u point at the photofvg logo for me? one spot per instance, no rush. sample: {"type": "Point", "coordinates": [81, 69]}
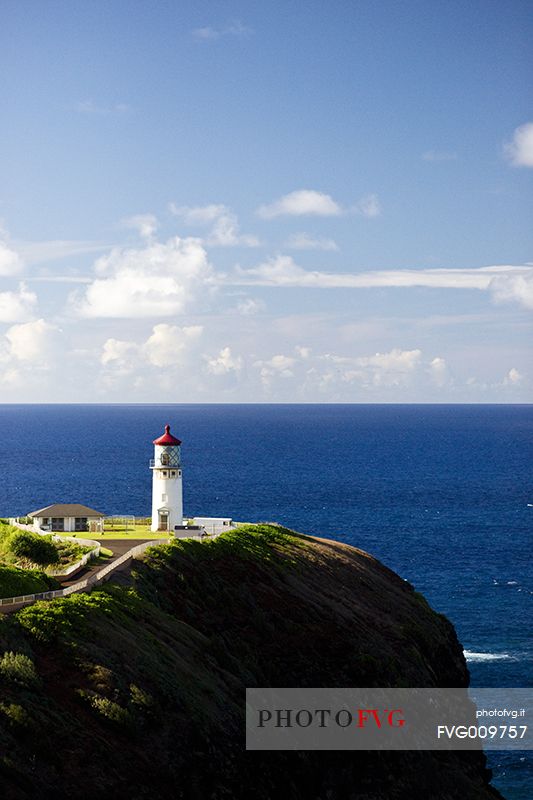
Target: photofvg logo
{"type": "Point", "coordinates": [323, 717]}
{"type": "Point", "coordinates": [387, 719]}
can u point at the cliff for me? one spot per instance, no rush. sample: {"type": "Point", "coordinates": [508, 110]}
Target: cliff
{"type": "Point", "coordinates": [137, 690]}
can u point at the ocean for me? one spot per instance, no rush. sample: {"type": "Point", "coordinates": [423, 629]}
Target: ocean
{"type": "Point", "coordinates": [442, 494]}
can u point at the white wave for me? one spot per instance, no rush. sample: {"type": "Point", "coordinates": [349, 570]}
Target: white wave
{"type": "Point", "coordinates": [478, 657]}
{"type": "Point", "coordinates": [512, 583]}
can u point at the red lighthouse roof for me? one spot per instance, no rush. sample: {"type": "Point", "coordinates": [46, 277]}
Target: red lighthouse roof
{"type": "Point", "coordinates": [167, 438]}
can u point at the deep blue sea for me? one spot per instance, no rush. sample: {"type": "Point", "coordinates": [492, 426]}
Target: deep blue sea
{"type": "Point", "coordinates": [441, 494]}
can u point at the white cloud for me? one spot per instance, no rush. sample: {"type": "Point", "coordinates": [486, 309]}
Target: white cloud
{"type": "Point", "coordinates": [513, 377]}
{"type": "Point", "coordinates": [121, 354]}
{"type": "Point", "coordinates": [390, 369]}
{"type": "Point", "coordinates": [158, 280]}
{"type": "Point", "coordinates": [17, 306]}
{"type": "Point", "coordinates": [304, 241]}
{"type": "Point", "coordinates": [41, 252]}
{"type": "Point", "coordinates": [301, 202]}
{"type": "Point", "coordinates": [279, 366]}
{"type": "Point", "coordinates": [308, 202]}
{"type": "Point", "coordinates": [90, 107]}
{"type": "Point", "coordinates": [34, 342]}
{"type": "Point", "coordinates": [224, 224]}
{"type": "Point", "coordinates": [145, 224]}
{"type": "Point", "coordinates": [168, 344]}
{"type": "Point", "coordinates": [520, 150]}
{"type": "Point", "coordinates": [249, 306]}
{"type": "Point", "coordinates": [514, 287]}
{"type": "Point", "coordinates": [10, 260]}
{"type": "Point", "coordinates": [438, 155]}
{"type": "Point", "coordinates": [224, 363]}
{"type": "Point", "coordinates": [368, 206]}
{"type": "Point", "coordinates": [209, 33]}
{"type": "Point", "coordinates": [439, 371]}
{"type": "Point", "coordinates": [506, 283]}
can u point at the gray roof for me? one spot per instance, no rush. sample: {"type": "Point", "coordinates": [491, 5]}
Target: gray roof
{"type": "Point", "coordinates": [66, 510]}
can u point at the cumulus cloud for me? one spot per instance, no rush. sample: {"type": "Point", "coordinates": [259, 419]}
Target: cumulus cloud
{"type": "Point", "coordinates": [516, 286]}
{"type": "Point", "coordinates": [513, 378]}
{"type": "Point", "coordinates": [17, 306]}
{"type": "Point", "coordinates": [279, 366]}
{"type": "Point", "coordinates": [224, 224]}
{"type": "Point", "coordinates": [34, 342]}
{"type": "Point", "coordinates": [309, 202]}
{"type": "Point", "coordinates": [300, 203]}
{"type": "Point", "coordinates": [304, 241]}
{"type": "Point", "coordinates": [168, 344]}
{"type": "Point", "coordinates": [121, 354]}
{"type": "Point", "coordinates": [224, 363]}
{"type": "Point", "coordinates": [10, 260]}
{"type": "Point", "coordinates": [146, 224]}
{"type": "Point", "coordinates": [250, 306]}
{"type": "Point", "coordinates": [388, 369]}
{"type": "Point", "coordinates": [506, 283]}
{"type": "Point", "coordinates": [158, 280]}
{"type": "Point", "coordinates": [519, 151]}
{"type": "Point", "coordinates": [439, 371]}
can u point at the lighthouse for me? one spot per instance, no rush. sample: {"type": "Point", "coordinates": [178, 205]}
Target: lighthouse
{"type": "Point", "coordinates": [167, 492]}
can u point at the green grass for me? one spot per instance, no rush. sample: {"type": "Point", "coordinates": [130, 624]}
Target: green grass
{"type": "Point", "coordinates": [15, 582]}
{"type": "Point", "coordinates": [133, 532]}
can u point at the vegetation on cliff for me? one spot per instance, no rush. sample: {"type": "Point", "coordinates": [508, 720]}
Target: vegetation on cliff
{"type": "Point", "coordinates": [27, 552]}
{"type": "Point", "coordinates": [137, 690]}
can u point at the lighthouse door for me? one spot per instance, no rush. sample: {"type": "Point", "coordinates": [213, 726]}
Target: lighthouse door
{"type": "Point", "coordinates": [163, 520]}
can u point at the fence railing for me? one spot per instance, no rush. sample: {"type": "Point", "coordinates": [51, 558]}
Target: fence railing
{"type": "Point", "coordinates": [99, 577]}
{"type": "Point", "coordinates": [92, 581]}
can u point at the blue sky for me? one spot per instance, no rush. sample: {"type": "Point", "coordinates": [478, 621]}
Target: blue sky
{"type": "Point", "coordinates": [266, 201]}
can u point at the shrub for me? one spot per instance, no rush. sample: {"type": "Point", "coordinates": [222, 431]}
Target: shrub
{"type": "Point", "coordinates": [16, 715]}
{"type": "Point", "coordinates": [18, 668]}
{"type": "Point", "coordinates": [107, 709]}
{"type": "Point", "coordinates": [15, 582]}
{"type": "Point", "coordinates": [33, 547]}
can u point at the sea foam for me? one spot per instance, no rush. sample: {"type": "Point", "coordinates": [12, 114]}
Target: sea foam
{"type": "Point", "coordinates": [479, 657]}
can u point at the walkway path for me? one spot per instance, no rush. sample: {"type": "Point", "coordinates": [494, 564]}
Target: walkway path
{"type": "Point", "coordinates": [118, 546]}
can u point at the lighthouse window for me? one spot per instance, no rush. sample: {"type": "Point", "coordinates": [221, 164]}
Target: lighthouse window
{"type": "Point", "coordinates": [179, 473]}
{"type": "Point", "coordinates": [165, 458]}
{"type": "Point", "coordinates": [165, 473]}
{"type": "Point", "coordinates": [173, 473]}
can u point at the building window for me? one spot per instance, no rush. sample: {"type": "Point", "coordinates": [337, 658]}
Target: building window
{"type": "Point", "coordinates": [173, 473]}
{"type": "Point", "coordinates": [165, 473]}
{"type": "Point", "coordinates": [165, 458]}
{"type": "Point", "coordinates": [58, 524]}
{"type": "Point", "coordinates": [164, 498]}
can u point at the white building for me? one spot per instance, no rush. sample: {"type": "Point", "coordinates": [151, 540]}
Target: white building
{"type": "Point", "coordinates": [213, 525]}
{"type": "Point", "coordinates": [67, 517]}
{"type": "Point", "coordinates": [167, 491]}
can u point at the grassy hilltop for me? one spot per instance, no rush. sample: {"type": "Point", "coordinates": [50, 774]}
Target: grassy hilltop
{"type": "Point", "coordinates": [137, 690]}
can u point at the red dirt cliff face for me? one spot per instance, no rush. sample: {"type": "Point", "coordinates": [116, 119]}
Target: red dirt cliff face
{"type": "Point", "coordinates": [139, 690]}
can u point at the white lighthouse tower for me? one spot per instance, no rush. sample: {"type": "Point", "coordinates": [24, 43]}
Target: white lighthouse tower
{"type": "Point", "coordinates": [167, 492]}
